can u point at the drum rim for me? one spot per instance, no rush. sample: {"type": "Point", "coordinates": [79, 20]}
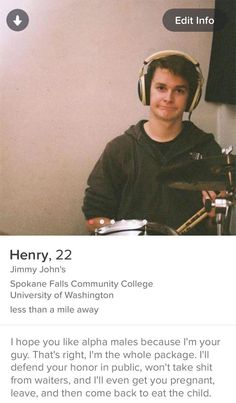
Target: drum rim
{"type": "Point", "coordinates": [135, 225]}
{"type": "Point", "coordinates": [122, 225]}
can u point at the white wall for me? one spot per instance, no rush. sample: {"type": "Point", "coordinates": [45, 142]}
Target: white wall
{"type": "Point", "coordinates": [68, 85]}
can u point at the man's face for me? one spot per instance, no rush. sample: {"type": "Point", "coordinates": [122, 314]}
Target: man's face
{"type": "Point", "coordinates": [168, 96]}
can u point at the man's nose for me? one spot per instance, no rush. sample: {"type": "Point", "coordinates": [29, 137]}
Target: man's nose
{"type": "Point", "coordinates": [169, 96]}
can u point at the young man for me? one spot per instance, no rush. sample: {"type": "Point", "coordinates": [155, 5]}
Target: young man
{"type": "Point", "coordinates": [123, 183]}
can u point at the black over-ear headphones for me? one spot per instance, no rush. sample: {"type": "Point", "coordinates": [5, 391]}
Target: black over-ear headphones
{"type": "Point", "coordinates": [143, 85]}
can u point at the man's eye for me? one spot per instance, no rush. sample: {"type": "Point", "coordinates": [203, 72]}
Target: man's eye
{"type": "Point", "coordinates": [180, 90]}
{"type": "Point", "coordinates": [161, 87]}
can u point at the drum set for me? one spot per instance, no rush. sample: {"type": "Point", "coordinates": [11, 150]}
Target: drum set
{"type": "Point", "coordinates": [216, 173]}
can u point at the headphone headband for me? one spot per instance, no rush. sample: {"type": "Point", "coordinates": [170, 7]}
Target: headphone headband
{"type": "Point", "coordinates": [142, 83]}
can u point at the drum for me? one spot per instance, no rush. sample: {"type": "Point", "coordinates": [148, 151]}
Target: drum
{"type": "Point", "coordinates": [135, 227]}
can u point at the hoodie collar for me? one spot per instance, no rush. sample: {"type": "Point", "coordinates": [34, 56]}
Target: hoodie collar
{"type": "Point", "coordinates": [189, 137]}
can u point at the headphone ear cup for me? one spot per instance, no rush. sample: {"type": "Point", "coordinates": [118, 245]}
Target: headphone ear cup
{"type": "Point", "coordinates": [140, 89]}
{"type": "Point", "coordinates": [198, 97]}
{"type": "Point", "coordinates": [147, 89]}
{"type": "Point", "coordinates": [144, 90]}
{"type": "Point", "coordinates": [195, 100]}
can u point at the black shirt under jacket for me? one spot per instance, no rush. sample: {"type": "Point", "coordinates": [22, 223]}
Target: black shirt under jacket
{"type": "Point", "coordinates": [123, 183]}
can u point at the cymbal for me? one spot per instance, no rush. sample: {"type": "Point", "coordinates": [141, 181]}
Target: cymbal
{"type": "Point", "coordinates": [212, 173]}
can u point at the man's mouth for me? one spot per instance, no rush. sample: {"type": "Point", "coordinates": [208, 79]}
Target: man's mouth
{"type": "Point", "coordinates": [167, 108]}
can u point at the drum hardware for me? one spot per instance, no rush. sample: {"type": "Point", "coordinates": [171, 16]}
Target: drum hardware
{"type": "Point", "coordinates": [223, 208]}
{"type": "Point", "coordinates": [212, 173]}
{"type": "Point", "coordinates": [227, 150]}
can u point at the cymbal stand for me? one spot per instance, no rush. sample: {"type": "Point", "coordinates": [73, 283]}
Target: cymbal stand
{"type": "Point", "coordinates": [223, 205]}
{"type": "Point", "coordinates": [223, 213]}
